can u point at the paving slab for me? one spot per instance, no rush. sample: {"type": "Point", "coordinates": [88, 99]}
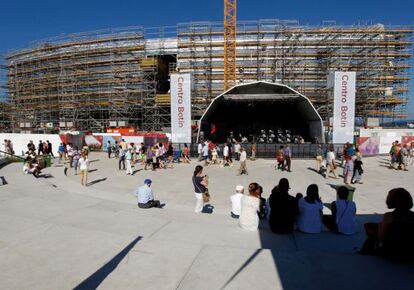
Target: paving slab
{"type": "Point", "coordinates": [56, 234]}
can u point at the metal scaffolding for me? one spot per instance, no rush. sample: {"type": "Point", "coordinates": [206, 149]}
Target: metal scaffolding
{"type": "Point", "coordinates": [120, 77]}
{"type": "Point", "coordinates": [302, 57]}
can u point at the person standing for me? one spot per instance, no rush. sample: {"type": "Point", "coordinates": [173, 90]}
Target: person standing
{"type": "Point", "coordinates": [236, 202]}
{"type": "Point", "coordinates": [250, 206]}
{"type": "Point", "coordinates": [50, 148]}
{"type": "Point", "coordinates": [319, 158]}
{"type": "Point", "coordinates": [40, 148]}
{"type": "Point", "coordinates": [69, 151]}
{"type": "Point", "coordinates": [116, 149]}
{"type": "Point", "coordinates": [404, 157]}
{"type": "Point", "coordinates": [146, 196]}
{"type": "Point", "coordinates": [330, 163]}
{"type": "Point", "coordinates": [31, 146]}
{"type": "Point", "coordinates": [76, 156]}
{"type": "Point", "coordinates": [186, 154]}
{"type": "Point", "coordinates": [226, 155]}
{"type": "Point", "coordinates": [128, 159]}
{"type": "Point", "coordinates": [349, 163]}
{"type": "Point", "coordinates": [142, 153]}
{"type": "Point", "coordinates": [121, 158]}
{"type": "Point", "coordinates": [61, 151]}
{"type": "Point", "coordinates": [287, 152]}
{"type": "Point", "coordinates": [280, 158]}
{"type": "Point", "coordinates": [230, 154]}
{"type": "Point", "coordinates": [200, 151]}
{"type": "Point", "coordinates": [243, 158]}
{"type": "Point", "coordinates": [393, 156]}
{"type": "Point", "coordinates": [83, 167]}
{"type": "Point", "coordinates": [237, 150]}
{"type": "Point", "coordinates": [200, 183]}
{"type": "Point", "coordinates": [254, 149]}
{"type": "Point", "coordinates": [149, 157]}
{"type": "Point", "coordinates": [109, 149]}
{"type": "Point", "coordinates": [205, 154]}
{"type": "Point", "coordinates": [357, 174]}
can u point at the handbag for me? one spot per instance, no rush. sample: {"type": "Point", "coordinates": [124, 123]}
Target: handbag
{"type": "Point", "coordinates": [206, 196]}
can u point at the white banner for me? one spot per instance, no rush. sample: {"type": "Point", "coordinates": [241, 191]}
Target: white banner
{"type": "Point", "coordinates": [344, 107]}
{"type": "Point", "coordinates": [181, 108]}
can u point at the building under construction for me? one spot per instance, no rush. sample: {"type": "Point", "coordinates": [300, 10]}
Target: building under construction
{"type": "Point", "coordinates": [120, 77]}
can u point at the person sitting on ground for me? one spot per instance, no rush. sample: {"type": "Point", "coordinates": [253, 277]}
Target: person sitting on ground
{"type": "Point", "coordinates": [250, 205]}
{"type": "Point", "coordinates": [310, 211]}
{"type": "Point", "coordinates": [236, 202]}
{"type": "Point", "coordinates": [394, 236]}
{"type": "Point", "coordinates": [283, 209]}
{"type": "Point", "coordinates": [343, 215]}
{"type": "Point", "coordinates": [262, 211]}
{"type": "Point", "coordinates": [146, 196]}
{"type": "Point", "coordinates": [32, 168]}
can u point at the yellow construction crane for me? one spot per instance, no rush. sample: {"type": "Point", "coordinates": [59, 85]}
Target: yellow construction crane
{"type": "Point", "coordinates": [230, 8]}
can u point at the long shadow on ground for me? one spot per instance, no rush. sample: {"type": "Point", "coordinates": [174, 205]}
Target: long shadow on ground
{"type": "Point", "coordinates": [93, 281]}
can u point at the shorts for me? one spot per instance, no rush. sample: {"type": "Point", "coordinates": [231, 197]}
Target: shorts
{"type": "Point", "coordinates": [84, 172]}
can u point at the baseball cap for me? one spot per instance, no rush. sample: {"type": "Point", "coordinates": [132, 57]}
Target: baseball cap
{"type": "Point", "coordinates": [147, 181]}
{"type": "Point", "coordinates": [239, 188]}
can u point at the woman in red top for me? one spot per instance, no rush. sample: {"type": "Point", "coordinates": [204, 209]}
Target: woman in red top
{"type": "Point", "coordinates": [186, 155]}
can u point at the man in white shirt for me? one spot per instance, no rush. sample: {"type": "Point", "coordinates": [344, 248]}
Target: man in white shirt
{"type": "Point", "coordinates": [146, 196]}
{"type": "Point", "coordinates": [205, 154]}
{"type": "Point", "coordinates": [243, 157]}
{"type": "Point", "coordinates": [330, 163]}
{"type": "Point", "coordinates": [199, 150]}
{"type": "Point", "coordinates": [226, 155]}
{"type": "Point", "coordinates": [237, 150]}
{"type": "Point", "coordinates": [236, 202]}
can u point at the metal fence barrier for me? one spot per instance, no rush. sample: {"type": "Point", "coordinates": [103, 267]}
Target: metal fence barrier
{"type": "Point", "coordinates": [268, 150]}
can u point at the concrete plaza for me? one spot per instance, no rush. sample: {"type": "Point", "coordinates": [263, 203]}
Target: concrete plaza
{"type": "Point", "coordinates": [56, 234]}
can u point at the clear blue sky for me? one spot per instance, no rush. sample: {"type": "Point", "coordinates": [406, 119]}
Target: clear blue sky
{"type": "Point", "coordinates": [24, 21]}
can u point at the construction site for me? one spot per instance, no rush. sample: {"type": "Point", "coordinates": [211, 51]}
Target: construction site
{"type": "Point", "coordinates": [121, 77]}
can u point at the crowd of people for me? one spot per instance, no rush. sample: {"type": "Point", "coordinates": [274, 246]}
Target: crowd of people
{"type": "Point", "coordinates": [8, 147]}
{"type": "Point", "coordinates": [35, 162]}
{"type": "Point", "coordinates": [157, 156]}
{"type": "Point", "coordinates": [401, 155]}
{"type": "Point", "coordinates": [351, 161]}
{"type": "Point", "coordinates": [285, 214]}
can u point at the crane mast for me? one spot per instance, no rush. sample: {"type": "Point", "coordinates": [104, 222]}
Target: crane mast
{"type": "Point", "coordinates": [230, 8]}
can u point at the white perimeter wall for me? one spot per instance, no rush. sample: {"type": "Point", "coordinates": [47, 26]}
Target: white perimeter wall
{"type": "Point", "coordinates": [385, 132]}
{"type": "Point", "coordinates": [20, 141]}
